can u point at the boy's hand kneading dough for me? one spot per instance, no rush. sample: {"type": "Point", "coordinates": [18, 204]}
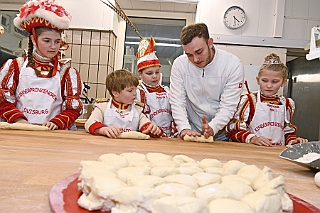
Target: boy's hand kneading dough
{"type": "Point", "coordinates": [198, 138]}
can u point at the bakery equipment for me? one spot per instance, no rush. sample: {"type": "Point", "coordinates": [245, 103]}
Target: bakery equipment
{"type": "Point", "coordinates": [294, 152]}
{"type": "Point", "coordinates": [314, 51]}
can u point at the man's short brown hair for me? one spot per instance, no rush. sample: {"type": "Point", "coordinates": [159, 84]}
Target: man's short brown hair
{"type": "Point", "coordinates": [118, 80]}
{"type": "Point", "coordinates": [194, 30]}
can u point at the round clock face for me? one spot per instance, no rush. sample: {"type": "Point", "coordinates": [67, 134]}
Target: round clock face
{"type": "Point", "coordinates": [234, 17]}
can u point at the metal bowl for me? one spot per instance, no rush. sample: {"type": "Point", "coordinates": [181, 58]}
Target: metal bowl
{"type": "Point", "coordinates": [296, 151]}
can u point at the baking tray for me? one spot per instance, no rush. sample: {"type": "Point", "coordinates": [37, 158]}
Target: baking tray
{"type": "Point", "coordinates": [296, 151]}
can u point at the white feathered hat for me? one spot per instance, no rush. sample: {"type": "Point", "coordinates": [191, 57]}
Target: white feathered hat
{"type": "Point", "coordinates": [42, 13]}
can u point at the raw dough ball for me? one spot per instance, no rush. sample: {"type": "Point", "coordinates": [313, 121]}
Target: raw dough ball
{"type": "Point", "coordinates": [198, 138]}
{"type": "Point", "coordinates": [213, 191]}
{"type": "Point", "coordinates": [187, 180]}
{"type": "Point", "coordinates": [150, 181]}
{"type": "Point", "coordinates": [174, 189]}
{"type": "Point", "coordinates": [224, 205]}
{"type": "Point", "coordinates": [172, 204]}
{"type": "Point", "coordinates": [4, 125]}
{"type": "Point", "coordinates": [126, 172]}
{"type": "Point", "coordinates": [163, 171]}
{"type": "Point", "coordinates": [133, 157]}
{"type": "Point", "coordinates": [215, 170]}
{"type": "Point", "coordinates": [264, 177]}
{"type": "Point", "coordinates": [238, 188]}
{"type": "Point", "coordinates": [189, 170]}
{"type": "Point", "coordinates": [140, 164]}
{"type": "Point", "coordinates": [166, 163]}
{"type": "Point", "coordinates": [317, 179]}
{"type": "Point", "coordinates": [249, 171]}
{"type": "Point", "coordinates": [233, 166]}
{"type": "Point", "coordinates": [237, 178]}
{"type": "Point", "coordinates": [183, 159]}
{"type": "Point", "coordinates": [158, 157]}
{"type": "Point", "coordinates": [115, 160]}
{"type": "Point", "coordinates": [203, 178]}
{"type": "Point", "coordinates": [22, 126]}
{"type": "Point", "coordinates": [134, 135]}
{"type": "Point", "coordinates": [207, 162]}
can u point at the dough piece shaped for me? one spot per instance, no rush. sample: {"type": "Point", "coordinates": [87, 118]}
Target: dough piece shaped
{"type": "Point", "coordinates": [166, 163]}
{"type": "Point", "coordinates": [317, 179]}
{"type": "Point", "coordinates": [174, 204]}
{"type": "Point", "coordinates": [224, 205]}
{"type": "Point", "coordinates": [126, 172]}
{"type": "Point", "coordinates": [163, 171]}
{"type": "Point", "coordinates": [278, 184]}
{"type": "Point", "coordinates": [188, 170]}
{"type": "Point", "coordinates": [207, 162]}
{"type": "Point", "coordinates": [238, 188]}
{"type": "Point", "coordinates": [86, 164]}
{"type": "Point", "coordinates": [142, 197]}
{"type": "Point", "coordinates": [150, 181]}
{"type": "Point", "coordinates": [213, 191]}
{"type": "Point", "coordinates": [158, 157]}
{"type": "Point", "coordinates": [31, 127]}
{"type": "Point", "coordinates": [174, 189]}
{"type": "Point", "coordinates": [4, 125]}
{"type": "Point", "coordinates": [140, 164]}
{"type": "Point", "coordinates": [250, 172]}
{"type": "Point", "coordinates": [134, 135]}
{"type": "Point", "coordinates": [236, 177]}
{"type": "Point", "coordinates": [204, 178]}
{"type": "Point", "coordinates": [133, 157]}
{"type": "Point", "coordinates": [215, 170]}
{"type": "Point", "coordinates": [233, 166]}
{"type": "Point", "coordinates": [187, 180]}
{"type": "Point", "coordinates": [183, 159]}
{"type": "Point", "coordinates": [264, 201]}
{"type": "Point", "coordinates": [264, 177]}
{"type": "Point", "coordinates": [198, 139]}
{"type": "Point", "coordinates": [114, 160]}
{"type": "Point", "coordinates": [91, 202]}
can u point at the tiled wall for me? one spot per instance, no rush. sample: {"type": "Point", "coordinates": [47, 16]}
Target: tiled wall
{"type": "Point", "coordinates": [92, 53]}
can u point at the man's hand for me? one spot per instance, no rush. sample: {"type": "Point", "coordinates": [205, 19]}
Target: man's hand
{"type": "Point", "coordinates": [207, 131]}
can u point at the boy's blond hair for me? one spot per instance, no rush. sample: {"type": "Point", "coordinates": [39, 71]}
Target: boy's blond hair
{"type": "Point", "coordinates": [118, 80]}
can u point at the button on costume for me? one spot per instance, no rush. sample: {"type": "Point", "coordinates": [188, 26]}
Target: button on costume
{"type": "Point", "coordinates": [47, 90]}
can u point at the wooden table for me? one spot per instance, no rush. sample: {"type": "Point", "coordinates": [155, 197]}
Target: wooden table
{"type": "Point", "coordinates": [31, 162]}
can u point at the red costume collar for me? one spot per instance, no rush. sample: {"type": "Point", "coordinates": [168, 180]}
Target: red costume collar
{"type": "Point", "coordinates": [120, 105]}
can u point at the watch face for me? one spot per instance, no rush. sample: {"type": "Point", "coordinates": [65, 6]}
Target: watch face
{"type": "Point", "coordinates": [234, 17]}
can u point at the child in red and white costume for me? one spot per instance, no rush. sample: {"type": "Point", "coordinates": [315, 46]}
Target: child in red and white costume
{"type": "Point", "coordinates": [38, 89]}
{"type": "Point", "coordinates": [265, 118]}
{"type": "Point", "coordinates": [154, 96]}
{"type": "Point", "coordinates": [120, 114]}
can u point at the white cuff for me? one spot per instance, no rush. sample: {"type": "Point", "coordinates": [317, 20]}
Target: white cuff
{"type": "Point", "coordinates": [249, 138]}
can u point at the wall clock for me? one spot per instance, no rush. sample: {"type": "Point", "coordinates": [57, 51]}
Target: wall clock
{"type": "Point", "coordinates": [234, 17]}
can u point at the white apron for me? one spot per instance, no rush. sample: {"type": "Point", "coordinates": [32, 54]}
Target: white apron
{"type": "Point", "coordinates": [268, 121]}
{"type": "Point", "coordinates": [39, 99]}
{"type": "Point", "coordinates": [160, 110]}
{"type": "Point", "coordinates": [128, 120]}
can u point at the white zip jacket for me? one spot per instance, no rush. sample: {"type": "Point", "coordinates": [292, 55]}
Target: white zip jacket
{"type": "Point", "coordinates": [213, 91]}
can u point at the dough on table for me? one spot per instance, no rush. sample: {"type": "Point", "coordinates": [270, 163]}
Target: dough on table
{"type": "Point", "coordinates": [236, 177]}
{"type": "Point", "coordinates": [173, 204]}
{"type": "Point", "coordinates": [133, 157]}
{"type": "Point", "coordinates": [264, 177]}
{"type": "Point", "coordinates": [187, 180]}
{"type": "Point", "coordinates": [126, 172]}
{"type": "Point", "coordinates": [238, 188]}
{"type": "Point", "coordinates": [134, 135]}
{"type": "Point", "coordinates": [183, 159]}
{"type": "Point", "coordinates": [250, 172]}
{"type": "Point", "coordinates": [189, 170]}
{"type": "Point", "coordinates": [163, 171]}
{"type": "Point", "coordinates": [198, 138]}
{"type": "Point", "coordinates": [224, 205]}
{"type": "Point", "coordinates": [158, 157]}
{"type": "Point", "coordinates": [150, 181]}
{"type": "Point", "coordinates": [166, 163]}
{"type": "Point", "coordinates": [215, 170]}
{"type": "Point", "coordinates": [22, 126]}
{"type": "Point", "coordinates": [233, 166]}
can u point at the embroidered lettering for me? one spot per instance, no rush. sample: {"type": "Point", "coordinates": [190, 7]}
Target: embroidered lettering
{"type": "Point", "coordinates": [266, 124]}
{"type": "Point", "coordinates": [36, 111]}
{"type": "Point", "coordinates": [37, 90]}
{"type": "Point", "coordinates": [158, 112]}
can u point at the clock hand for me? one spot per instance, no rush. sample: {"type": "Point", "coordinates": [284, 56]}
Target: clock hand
{"type": "Point", "coordinates": [236, 19]}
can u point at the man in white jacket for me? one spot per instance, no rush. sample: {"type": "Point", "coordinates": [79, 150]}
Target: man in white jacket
{"type": "Point", "coordinates": [205, 85]}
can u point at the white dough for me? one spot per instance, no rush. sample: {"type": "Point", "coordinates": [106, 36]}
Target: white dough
{"type": "Point", "coordinates": [203, 178]}
{"type": "Point", "coordinates": [249, 171]}
{"type": "Point", "coordinates": [4, 125]}
{"type": "Point", "coordinates": [166, 163]}
{"type": "Point", "coordinates": [133, 157]}
{"type": "Point", "coordinates": [189, 170]}
{"type": "Point", "coordinates": [317, 179]}
{"type": "Point", "coordinates": [22, 126]}
{"type": "Point", "coordinates": [237, 178]}
{"type": "Point", "coordinates": [264, 177]}
{"type": "Point", "coordinates": [174, 189]}
{"type": "Point", "coordinates": [187, 180]}
{"type": "Point", "coordinates": [224, 205]}
{"type": "Point", "coordinates": [126, 172]}
{"type": "Point", "coordinates": [215, 170]}
{"type": "Point", "coordinates": [198, 139]}
{"type": "Point", "coordinates": [149, 181]}
{"type": "Point", "coordinates": [163, 171]}
{"type": "Point", "coordinates": [172, 204]}
{"type": "Point", "coordinates": [233, 166]}
{"type": "Point", "coordinates": [114, 160]}
{"type": "Point", "coordinates": [213, 191]}
{"type": "Point", "coordinates": [183, 159]}
{"type": "Point", "coordinates": [158, 157]}
{"type": "Point", "coordinates": [238, 188]}
{"type": "Point", "coordinates": [207, 162]}
{"type": "Point", "coordinates": [134, 135]}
